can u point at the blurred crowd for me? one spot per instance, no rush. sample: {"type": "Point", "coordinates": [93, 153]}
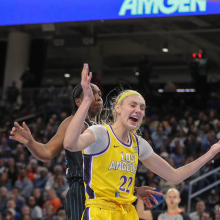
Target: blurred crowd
{"type": "Point", "coordinates": [31, 189]}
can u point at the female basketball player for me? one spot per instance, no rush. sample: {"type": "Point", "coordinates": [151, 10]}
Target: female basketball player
{"type": "Point", "coordinates": [75, 198]}
{"type": "Point", "coordinates": [111, 154]}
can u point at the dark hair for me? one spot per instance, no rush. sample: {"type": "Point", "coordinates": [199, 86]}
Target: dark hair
{"type": "Point", "coordinates": [77, 92]}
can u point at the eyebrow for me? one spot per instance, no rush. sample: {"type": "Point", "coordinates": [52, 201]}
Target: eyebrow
{"type": "Point", "coordinates": [137, 103]}
{"type": "Point", "coordinates": [99, 91]}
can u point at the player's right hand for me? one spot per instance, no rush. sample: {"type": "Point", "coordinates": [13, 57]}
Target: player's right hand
{"type": "Point", "coordinates": [21, 134]}
{"type": "Point", "coordinates": [86, 77]}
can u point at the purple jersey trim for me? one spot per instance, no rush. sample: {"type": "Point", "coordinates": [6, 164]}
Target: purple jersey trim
{"type": "Point", "coordinates": [126, 145]}
{"type": "Point", "coordinates": [83, 167]}
{"type": "Point", "coordinates": [137, 143]}
{"type": "Point", "coordinates": [105, 148]}
{"type": "Point", "coordinates": [88, 215]}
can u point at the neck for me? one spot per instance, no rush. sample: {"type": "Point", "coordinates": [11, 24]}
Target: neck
{"type": "Point", "coordinates": [121, 132]}
{"type": "Point", "coordinates": [173, 209]}
{"type": "Point", "coordinates": [91, 118]}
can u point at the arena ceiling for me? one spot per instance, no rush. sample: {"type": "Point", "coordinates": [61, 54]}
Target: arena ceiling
{"type": "Point", "coordinates": [119, 45]}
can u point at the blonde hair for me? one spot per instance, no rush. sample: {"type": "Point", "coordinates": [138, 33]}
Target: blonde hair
{"type": "Point", "coordinates": [111, 114]}
{"type": "Point", "coordinates": [173, 189]}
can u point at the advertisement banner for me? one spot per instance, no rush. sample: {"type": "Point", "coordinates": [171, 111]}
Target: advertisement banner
{"type": "Point", "coordinates": [17, 12]}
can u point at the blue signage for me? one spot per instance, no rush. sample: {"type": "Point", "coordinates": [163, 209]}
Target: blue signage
{"type": "Point", "coordinates": [16, 12]}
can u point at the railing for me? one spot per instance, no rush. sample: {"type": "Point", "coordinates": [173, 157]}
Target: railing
{"type": "Point", "coordinates": [30, 118]}
{"type": "Point", "coordinates": [192, 195]}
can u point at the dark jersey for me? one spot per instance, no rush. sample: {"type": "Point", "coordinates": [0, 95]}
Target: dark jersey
{"type": "Point", "coordinates": [74, 163]}
{"type": "Point", "coordinates": [167, 216]}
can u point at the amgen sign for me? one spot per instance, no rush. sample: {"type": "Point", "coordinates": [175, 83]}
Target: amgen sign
{"type": "Point", "coordinates": [16, 12]}
{"type": "Point", "coordinates": [147, 7]}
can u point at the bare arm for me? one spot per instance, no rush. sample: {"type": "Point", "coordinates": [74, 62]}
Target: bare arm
{"type": "Point", "coordinates": [43, 152]}
{"type": "Point", "coordinates": [73, 141]}
{"type": "Point", "coordinates": [163, 169]}
{"type": "Point", "coordinates": [143, 214]}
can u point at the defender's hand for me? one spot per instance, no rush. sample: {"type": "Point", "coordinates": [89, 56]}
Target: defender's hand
{"type": "Point", "coordinates": [20, 134]}
{"type": "Point", "coordinates": [146, 193]}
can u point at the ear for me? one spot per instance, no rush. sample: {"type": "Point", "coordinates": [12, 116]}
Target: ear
{"type": "Point", "coordinates": [78, 101]}
{"type": "Point", "coordinates": [179, 200]}
{"type": "Point", "coordinates": [117, 108]}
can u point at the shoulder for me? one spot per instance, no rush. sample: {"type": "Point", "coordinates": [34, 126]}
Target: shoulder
{"type": "Point", "coordinates": [193, 214]}
{"type": "Point", "coordinates": [156, 214]}
{"type": "Point", "coordinates": [185, 216]}
{"type": "Point", "coordinates": [100, 128]}
{"type": "Point", "coordinates": [145, 150]}
{"type": "Point", "coordinates": [99, 131]}
{"type": "Point", "coordinates": [64, 124]}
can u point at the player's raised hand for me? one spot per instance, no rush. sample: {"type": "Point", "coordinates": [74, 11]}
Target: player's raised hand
{"type": "Point", "coordinates": [86, 77]}
{"type": "Point", "coordinates": [21, 134]}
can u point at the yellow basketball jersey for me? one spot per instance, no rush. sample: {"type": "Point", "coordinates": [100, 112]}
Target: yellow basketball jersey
{"type": "Point", "coordinates": [110, 174]}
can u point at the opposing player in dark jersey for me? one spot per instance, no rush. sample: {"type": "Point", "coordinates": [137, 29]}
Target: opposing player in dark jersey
{"type": "Point", "coordinates": [75, 198]}
{"type": "Point", "coordinates": [173, 211]}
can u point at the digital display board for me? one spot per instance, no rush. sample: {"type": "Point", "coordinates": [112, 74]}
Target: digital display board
{"type": "Point", "coordinates": [17, 12]}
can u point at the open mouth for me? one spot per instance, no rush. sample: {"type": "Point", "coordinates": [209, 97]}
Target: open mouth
{"type": "Point", "coordinates": [133, 119]}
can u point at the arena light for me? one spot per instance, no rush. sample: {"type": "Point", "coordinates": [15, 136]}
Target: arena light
{"type": "Point", "coordinates": [160, 90]}
{"type": "Point", "coordinates": [185, 90]}
{"type": "Point", "coordinates": [67, 75]}
{"type": "Point", "coordinates": [199, 55]}
{"type": "Point", "coordinates": [165, 47]}
{"type": "Point", "coordinates": [165, 50]}
{"type": "Point", "coordinates": [180, 90]}
{"type": "Point", "coordinates": [137, 73]}
{"type": "Point", "coordinates": [194, 55]}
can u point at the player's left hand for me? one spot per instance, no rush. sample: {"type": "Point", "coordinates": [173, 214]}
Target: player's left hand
{"type": "Point", "coordinates": [146, 193]}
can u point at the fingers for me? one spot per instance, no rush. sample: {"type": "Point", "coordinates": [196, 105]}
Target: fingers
{"type": "Point", "coordinates": [85, 71]}
{"type": "Point", "coordinates": [16, 124]}
{"type": "Point", "coordinates": [150, 188]}
{"type": "Point", "coordinates": [11, 136]}
{"type": "Point", "coordinates": [155, 201]}
{"type": "Point", "coordinates": [90, 76]}
{"type": "Point", "coordinates": [13, 131]}
{"type": "Point", "coordinates": [25, 126]}
{"type": "Point", "coordinates": [86, 75]}
{"type": "Point", "coordinates": [18, 128]}
{"type": "Point", "coordinates": [156, 193]}
{"type": "Point", "coordinates": [148, 203]}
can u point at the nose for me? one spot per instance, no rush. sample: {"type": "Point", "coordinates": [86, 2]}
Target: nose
{"type": "Point", "coordinates": [137, 109]}
{"type": "Point", "coordinates": [98, 97]}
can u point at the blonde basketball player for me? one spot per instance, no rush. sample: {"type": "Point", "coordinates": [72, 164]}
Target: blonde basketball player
{"type": "Point", "coordinates": [111, 154]}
